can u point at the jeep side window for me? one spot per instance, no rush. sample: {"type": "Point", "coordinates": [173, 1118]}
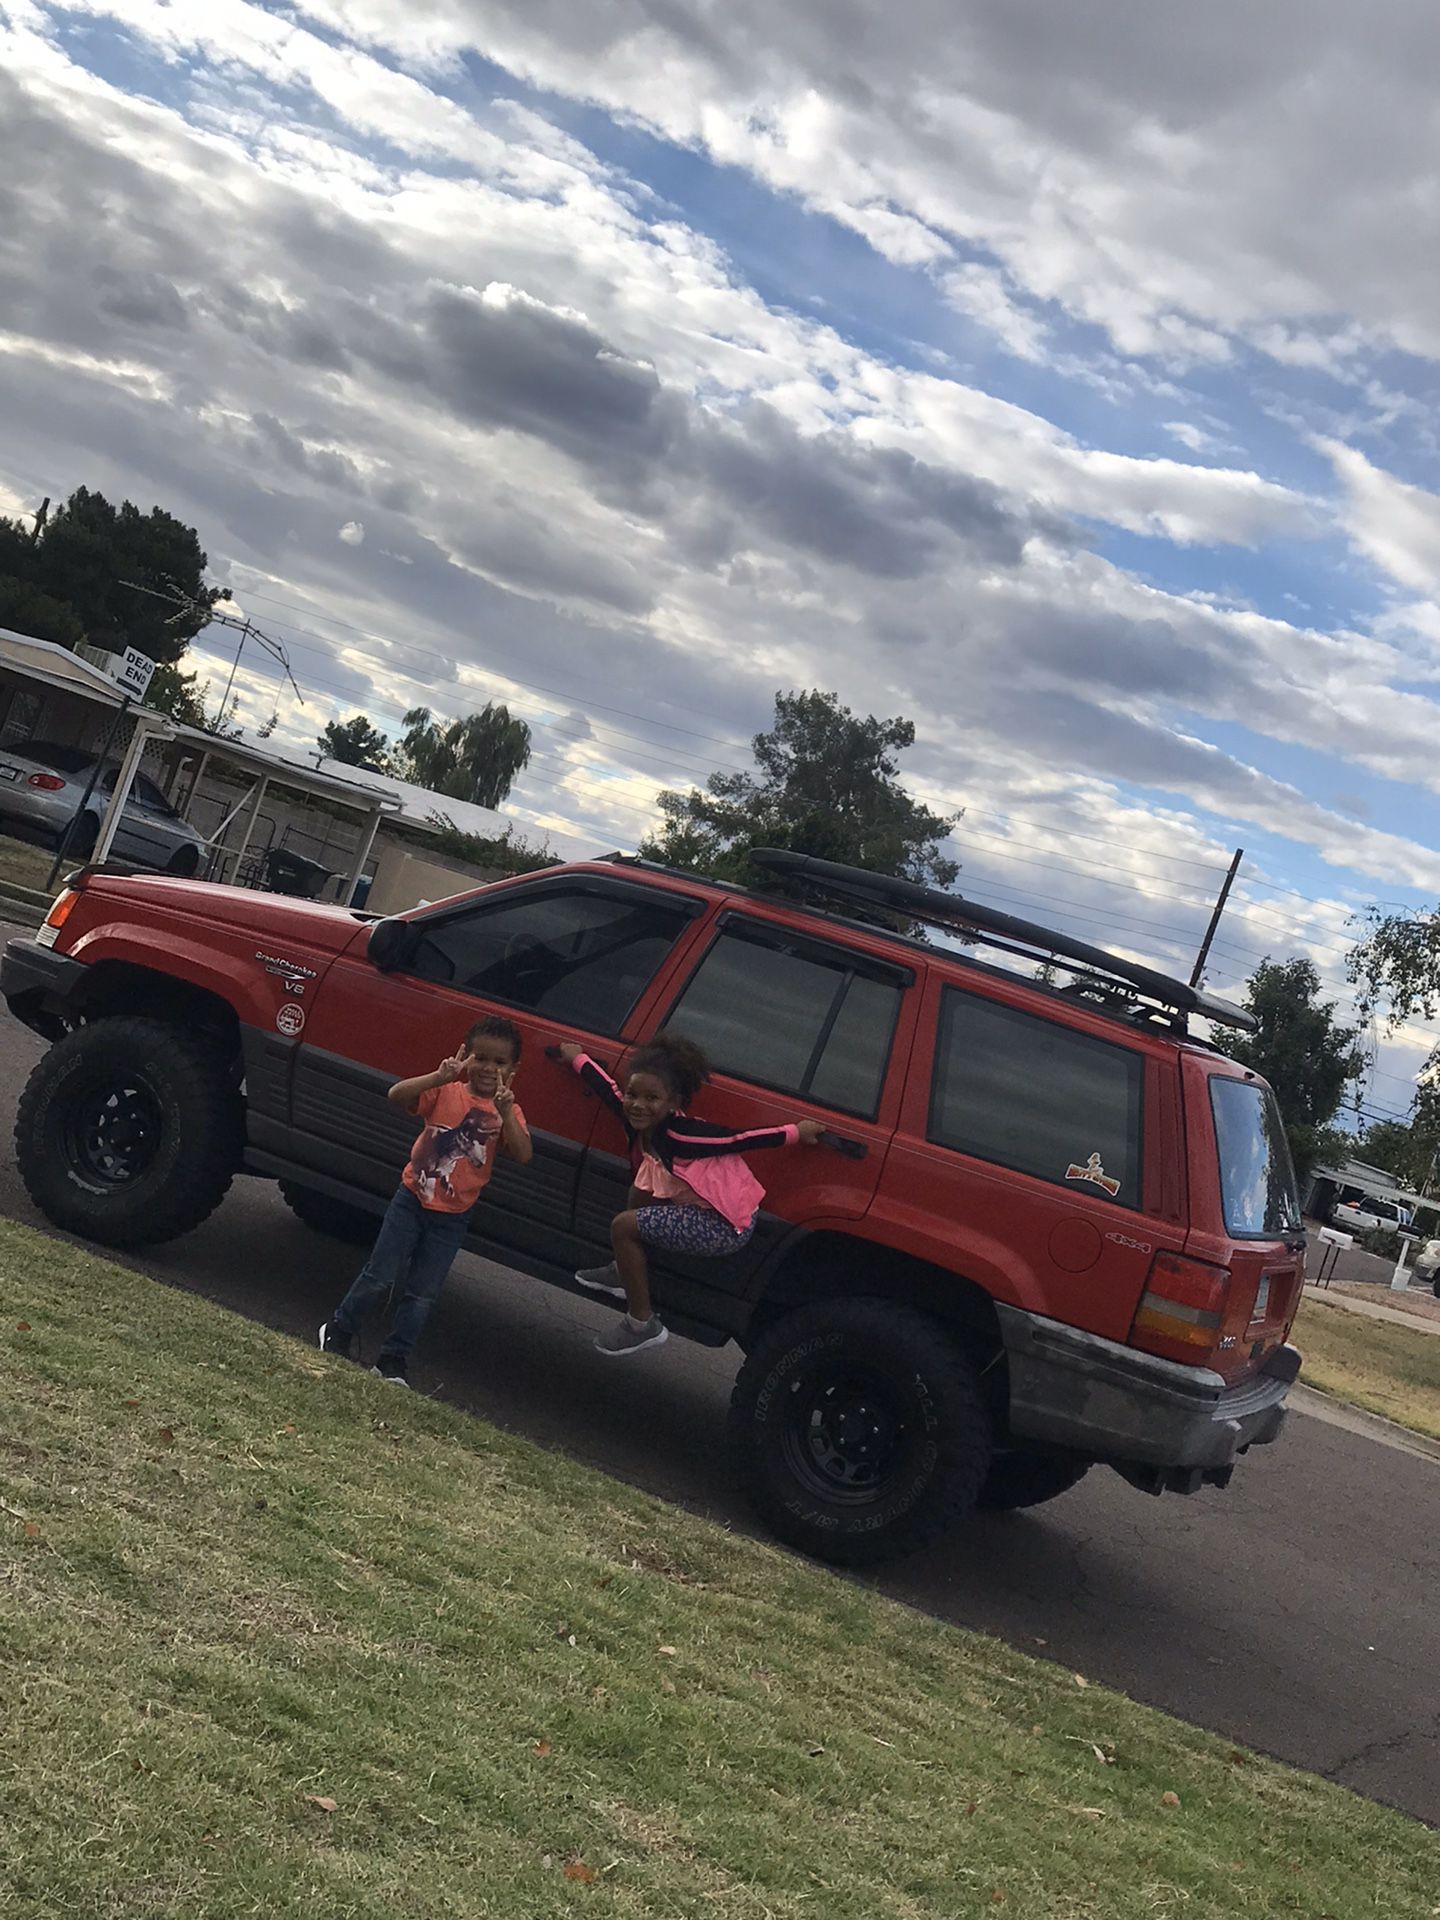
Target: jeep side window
{"type": "Point", "coordinates": [792, 1014]}
{"type": "Point", "coordinates": [1027, 1093]}
{"type": "Point", "coordinates": [580, 956]}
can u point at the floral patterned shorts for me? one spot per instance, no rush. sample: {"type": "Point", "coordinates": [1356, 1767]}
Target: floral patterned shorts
{"type": "Point", "coordinates": [698, 1230]}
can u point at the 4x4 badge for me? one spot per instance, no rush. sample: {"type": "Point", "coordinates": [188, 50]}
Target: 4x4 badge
{"type": "Point", "coordinates": [1095, 1174]}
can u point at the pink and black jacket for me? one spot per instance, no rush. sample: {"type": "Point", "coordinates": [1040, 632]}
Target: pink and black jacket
{"type": "Point", "coordinates": [705, 1156]}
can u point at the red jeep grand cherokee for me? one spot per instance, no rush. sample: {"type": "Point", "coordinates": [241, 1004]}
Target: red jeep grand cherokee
{"type": "Point", "coordinates": [1051, 1229]}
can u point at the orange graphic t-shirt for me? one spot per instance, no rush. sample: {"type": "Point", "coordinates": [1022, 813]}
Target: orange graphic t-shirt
{"type": "Point", "coordinates": [451, 1163]}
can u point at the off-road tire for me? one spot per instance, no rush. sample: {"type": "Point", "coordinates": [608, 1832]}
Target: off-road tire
{"type": "Point", "coordinates": [191, 1129]}
{"type": "Point", "coordinates": [825, 1369]}
{"type": "Point", "coordinates": [326, 1215]}
{"type": "Point", "coordinates": [1018, 1480]}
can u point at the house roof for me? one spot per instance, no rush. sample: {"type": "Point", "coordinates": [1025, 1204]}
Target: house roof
{"type": "Point", "coordinates": [419, 806]}
{"type": "Point", "coordinates": [1375, 1182]}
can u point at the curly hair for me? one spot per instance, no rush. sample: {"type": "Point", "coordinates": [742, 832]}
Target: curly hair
{"type": "Point", "coordinates": [677, 1061]}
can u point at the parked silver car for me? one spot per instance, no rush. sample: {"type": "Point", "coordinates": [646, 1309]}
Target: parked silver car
{"type": "Point", "coordinates": [43, 783]}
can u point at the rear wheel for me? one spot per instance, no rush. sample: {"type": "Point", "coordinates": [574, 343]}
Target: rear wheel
{"type": "Point", "coordinates": [859, 1430]}
{"type": "Point", "coordinates": [335, 1217]}
{"type": "Point", "coordinates": [183, 862]}
{"type": "Point", "coordinates": [1018, 1480]}
{"type": "Point", "coordinates": [130, 1130]}
{"type": "Point", "coordinates": [82, 840]}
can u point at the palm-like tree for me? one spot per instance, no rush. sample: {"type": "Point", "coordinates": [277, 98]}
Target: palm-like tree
{"type": "Point", "coordinates": [476, 759]}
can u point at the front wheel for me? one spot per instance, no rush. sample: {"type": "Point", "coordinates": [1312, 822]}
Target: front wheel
{"type": "Point", "coordinates": [326, 1215]}
{"type": "Point", "coordinates": [859, 1430]}
{"type": "Point", "coordinates": [130, 1130]}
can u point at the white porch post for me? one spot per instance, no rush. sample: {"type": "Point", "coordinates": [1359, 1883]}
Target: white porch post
{"type": "Point", "coordinates": [367, 842]}
{"type": "Point", "coordinates": [262, 786]}
{"type": "Point", "coordinates": [197, 777]}
{"type": "Point", "coordinates": [146, 729]}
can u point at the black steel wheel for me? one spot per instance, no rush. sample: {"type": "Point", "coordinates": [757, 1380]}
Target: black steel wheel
{"type": "Point", "coordinates": [130, 1130]}
{"type": "Point", "coordinates": [859, 1430]}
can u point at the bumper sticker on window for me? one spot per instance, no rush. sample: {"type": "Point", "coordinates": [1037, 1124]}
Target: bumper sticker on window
{"type": "Point", "coordinates": [1095, 1173]}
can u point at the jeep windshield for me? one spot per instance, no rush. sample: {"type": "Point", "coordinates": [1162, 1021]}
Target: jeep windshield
{"type": "Point", "coordinates": [1257, 1179]}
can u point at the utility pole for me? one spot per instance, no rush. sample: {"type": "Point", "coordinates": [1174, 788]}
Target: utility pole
{"type": "Point", "coordinates": [41, 516]}
{"type": "Point", "coordinates": [1198, 970]}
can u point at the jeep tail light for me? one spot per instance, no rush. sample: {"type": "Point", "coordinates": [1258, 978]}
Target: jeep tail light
{"type": "Point", "coordinates": [1181, 1309]}
{"type": "Point", "coordinates": [47, 782]}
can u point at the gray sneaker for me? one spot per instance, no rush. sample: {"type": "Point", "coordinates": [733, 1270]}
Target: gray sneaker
{"type": "Point", "coordinates": [624, 1339]}
{"type": "Point", "coordinates": [602, 1280]}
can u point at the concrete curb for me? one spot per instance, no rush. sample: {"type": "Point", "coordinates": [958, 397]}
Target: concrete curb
{"type": "Point", "coordinates": [1374, 1426]}
{"type": "Point", "coordinates": [1372, 1310]}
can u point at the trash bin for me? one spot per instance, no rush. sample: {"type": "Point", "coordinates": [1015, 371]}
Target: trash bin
{"type": "Point", "coordinates": [289, 872]}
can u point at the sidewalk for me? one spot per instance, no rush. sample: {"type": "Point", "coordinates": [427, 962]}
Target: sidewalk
{"type": "Point", "coordinates": [1372, 1309]}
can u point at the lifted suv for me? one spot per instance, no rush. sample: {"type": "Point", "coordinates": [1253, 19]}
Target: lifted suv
{"type": "Point", "coordinates": [1052, 1230]}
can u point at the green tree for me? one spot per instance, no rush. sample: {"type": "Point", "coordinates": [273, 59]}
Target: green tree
{"type": "Point", "coordinates": [356, 742]}
{"type": "Point", "coordinates": [825, 785]}
{"type": "Point", "coordinates": [25, 609]}
{"type": "Point", "coordinates": [108, 564]}
{"type": "Point", "coordinates": [1298, 1047]}
{"type": "Point", "coordinates": [477, 759]}
{"type": "Point", "coordinates": [178, 694]}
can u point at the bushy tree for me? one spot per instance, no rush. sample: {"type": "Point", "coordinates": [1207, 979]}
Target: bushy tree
{"type": "Point", "coordinates": [179, 694]}
{"type": "Point", "coordinates": [477, 759]}
{"type": "Point", "coordinates": [825, 785]}
{"type": "Point", "coordinates": [119, 571]}
{"type": "Point", "coordinates": [1298, 1046]}
{"type": "Point", "coordinates": [25, 609]}
{"type": "Point", "coordinates": [356, 742]}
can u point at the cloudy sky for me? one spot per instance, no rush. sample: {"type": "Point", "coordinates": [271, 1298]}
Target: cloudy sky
{"type": "Point", "coordinates": [1062, 377]}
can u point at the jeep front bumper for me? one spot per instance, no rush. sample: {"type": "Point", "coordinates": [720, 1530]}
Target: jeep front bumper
{"type": "Point", "coordinates": [35, 983]}
{"type": "Point", "coordinates": [1092, 1396]}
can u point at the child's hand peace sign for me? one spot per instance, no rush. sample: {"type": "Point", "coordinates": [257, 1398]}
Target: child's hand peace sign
{"type": "Point", "coordinates": [504, 1093]}
{"type": "Point", "coordinates": [452, 1069]}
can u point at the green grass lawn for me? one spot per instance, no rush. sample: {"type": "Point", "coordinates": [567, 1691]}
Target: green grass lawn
{"type": "Point", "coordinates": [1372, 1364]}
{"type": "Point", "coordinates": [276, 1639]}
{"type": "Point", "coordinates": [25, 865]}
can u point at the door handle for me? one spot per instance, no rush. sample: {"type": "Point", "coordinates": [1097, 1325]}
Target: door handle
{"type": "Point", "coordinates": [837, 1143]}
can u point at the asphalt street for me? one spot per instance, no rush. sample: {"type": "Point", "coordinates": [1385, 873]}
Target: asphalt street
{"type": "Point", "coordinates": [1298, 1612]}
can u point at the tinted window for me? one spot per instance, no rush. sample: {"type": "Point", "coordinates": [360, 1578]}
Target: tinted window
{"type": "Point", "coordinates": [150, 795]}
{"type": "Point", "coordinates": [1257, 1180]}
{"type": "Point", "coordinates": [1027, 1093]}
{"type": "Point", "coordinates": [791, 1015]}
{"type": "Point", "coordinates": [580, 957]}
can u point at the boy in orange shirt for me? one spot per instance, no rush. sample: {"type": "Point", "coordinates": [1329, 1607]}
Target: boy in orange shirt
{"type": "Point", "coordinates": [469, 1109]}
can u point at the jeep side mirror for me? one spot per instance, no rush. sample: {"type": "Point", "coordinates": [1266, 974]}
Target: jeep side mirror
{"type": "Point", "coordinates": [391, 944]}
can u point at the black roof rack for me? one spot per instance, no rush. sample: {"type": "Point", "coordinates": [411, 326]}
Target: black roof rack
{"type": "Point", "coordinates": [988, 925]}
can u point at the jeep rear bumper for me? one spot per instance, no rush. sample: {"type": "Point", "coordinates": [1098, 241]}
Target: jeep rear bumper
{"type": "Point", "coordinates": [34, 983]}
{"type": "Point", "coordinates": [1094, 1397]}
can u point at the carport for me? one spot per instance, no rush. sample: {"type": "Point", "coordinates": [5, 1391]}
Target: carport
{"type": "Point", "coordinates": [263, 770]}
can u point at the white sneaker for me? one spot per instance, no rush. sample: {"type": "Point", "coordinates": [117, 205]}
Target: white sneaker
{"type": "Point", "coordinates": [626, 1339]}
{"type": "Point", "coordinates": [602, 1280]}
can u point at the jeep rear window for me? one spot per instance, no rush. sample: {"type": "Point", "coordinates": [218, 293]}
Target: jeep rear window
{"type": "Point", "coordinates": [787, 1012]}
{"type": "Point", "coordinates": [581, 956]}
{"type": "Point", "coordinates": [1257, 1180]}
{"type": "Point", "coordinates": [1027, 1093]}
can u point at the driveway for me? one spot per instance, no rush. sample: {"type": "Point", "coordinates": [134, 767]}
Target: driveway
{"type": "Point", "coordinates": [1296, 1612]}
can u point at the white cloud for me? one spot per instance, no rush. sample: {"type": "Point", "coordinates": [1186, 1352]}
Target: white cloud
{"type": "Point", "coordinates": [568, 448]}
{"type": "Point", "coordinates": [1395, 524]}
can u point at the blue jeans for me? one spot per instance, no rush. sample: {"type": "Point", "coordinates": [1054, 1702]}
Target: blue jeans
{"type": "Point", "coordinates": [415, 1248]}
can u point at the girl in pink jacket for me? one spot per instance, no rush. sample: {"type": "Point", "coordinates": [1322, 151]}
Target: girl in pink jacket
{"type": "Point", "coordinates": [690, 1190]}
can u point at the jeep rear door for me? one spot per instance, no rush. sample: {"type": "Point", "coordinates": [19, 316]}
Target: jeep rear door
{"type": "Point", "coordinates": [796, 1027]}
{"type": "Point", "coordinates": [568, 958]}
